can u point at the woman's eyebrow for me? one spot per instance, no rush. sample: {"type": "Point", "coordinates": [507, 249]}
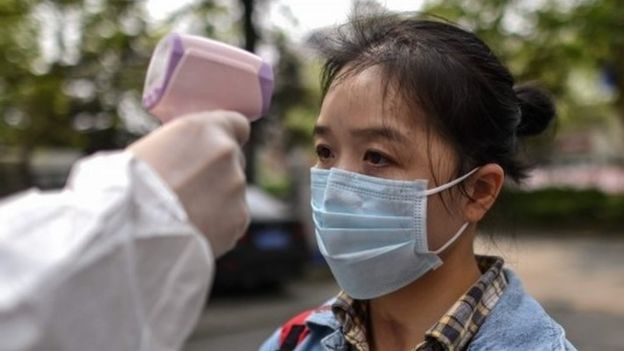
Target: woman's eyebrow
{"type": "Point", "coordinates": [387, 133]}
{"type": "Point", "coordinates": [320, 130]}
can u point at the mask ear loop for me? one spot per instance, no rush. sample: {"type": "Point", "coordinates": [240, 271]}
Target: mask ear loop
{"type": "Point", "coordinates": [453, 239]}
{"type": "Point", "coordinates": [442, 188]}
{"type": "Point", "coordinates": [450, 184]}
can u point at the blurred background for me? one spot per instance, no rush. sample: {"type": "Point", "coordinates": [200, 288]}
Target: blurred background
{"type": "Point", "coordinates": [71, 77]}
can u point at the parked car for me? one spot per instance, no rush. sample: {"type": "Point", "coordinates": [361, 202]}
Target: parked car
{"type": "Point", "coordinates": [273, 251]}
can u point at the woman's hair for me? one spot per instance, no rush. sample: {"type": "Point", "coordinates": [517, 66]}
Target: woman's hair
{"type": "Point", "coordinates": [468, 96]}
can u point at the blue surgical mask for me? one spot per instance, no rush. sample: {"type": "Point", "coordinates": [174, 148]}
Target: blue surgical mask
{"type": "Point", "coordinates": [373, 231]}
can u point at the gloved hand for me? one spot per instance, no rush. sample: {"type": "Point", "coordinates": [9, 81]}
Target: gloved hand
{"type": "Point", "coordinates": [199, 156]}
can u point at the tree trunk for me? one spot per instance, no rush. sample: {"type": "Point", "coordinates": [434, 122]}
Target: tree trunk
{"type": "Point", "coordinates": [251, 37]}
{"type": "Point", "coordinates": [24, 170]}
{"type": "Point", "coordinates": [618, 53]}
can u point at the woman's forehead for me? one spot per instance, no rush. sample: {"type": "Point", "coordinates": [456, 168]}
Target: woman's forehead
{"type": "Point", "coordinates": [368, 98]}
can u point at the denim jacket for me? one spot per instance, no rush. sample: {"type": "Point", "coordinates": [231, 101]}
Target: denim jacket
{"type": "Point", "coordinates": [517, 323]}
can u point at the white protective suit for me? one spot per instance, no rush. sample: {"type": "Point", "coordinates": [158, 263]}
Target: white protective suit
{"type": "Point", "coordinates": [113, 254]}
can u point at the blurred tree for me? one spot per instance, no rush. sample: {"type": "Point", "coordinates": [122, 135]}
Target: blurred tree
{"type": "Point", "coordinates": [68, 69]}
{"type": "Point", "coordinates": [287, 130]}
{"type": "Point", "coordinates": [296, 99]}
{"type": "Point", "coordinates": [550, 41]}
{"type": "Point", "coordinates": [71, 71]}
{"type": "Point", "coordinates": [251, 37]}
{"type": "Point", "coordinates": [293, 101]}
{"type": "Point", "coordinates": [600, 28]}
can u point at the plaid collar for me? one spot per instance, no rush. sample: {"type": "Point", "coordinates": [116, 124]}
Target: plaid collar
{"type": "Point", "coordinates": [453, 331]}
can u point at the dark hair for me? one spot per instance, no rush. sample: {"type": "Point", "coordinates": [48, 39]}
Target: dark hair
{"type": "Point", "coordinates": [467, 95]}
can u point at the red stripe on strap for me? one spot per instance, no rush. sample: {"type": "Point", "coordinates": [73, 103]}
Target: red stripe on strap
{"type": "Point", "coordinates": [296, 320]}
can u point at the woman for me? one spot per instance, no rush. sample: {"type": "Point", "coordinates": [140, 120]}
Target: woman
{"type": "Point", "coordinates": [419, 127]}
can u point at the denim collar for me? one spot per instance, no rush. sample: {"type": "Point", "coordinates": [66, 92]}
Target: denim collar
{"type": "Point", "coordinates": [517, 322]}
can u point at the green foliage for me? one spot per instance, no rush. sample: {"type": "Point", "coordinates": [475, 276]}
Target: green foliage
{"type": "Point", "coordinates": [559, 209]}
{"type": "Point", "coordinates": [68, 68]}
{"type": "Point", "coordinates": [278, 185]}
{"type": "Point", "coordinates": [296, 96]}
{"type": "Point", "coordinates": [71, 74]}
{"type": "Point", "coordinates": [97, 52]}
{"type": "Point", "coordinates": [299, 122]}
{"type": "Point", "coordinates": [549, 41]}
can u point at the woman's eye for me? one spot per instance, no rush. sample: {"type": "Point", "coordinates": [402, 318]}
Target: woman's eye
{"type": "Point", "coordinates": [376, 158]}
{"type": "Point", "coordinates": [323, 152]}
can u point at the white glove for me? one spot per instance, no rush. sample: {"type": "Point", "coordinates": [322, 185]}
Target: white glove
{"type": "Point", "coordinates": [199, 156]}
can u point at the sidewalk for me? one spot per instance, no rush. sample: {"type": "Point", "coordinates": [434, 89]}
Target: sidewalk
{"type": "Point", "coordinates": [578, 280]}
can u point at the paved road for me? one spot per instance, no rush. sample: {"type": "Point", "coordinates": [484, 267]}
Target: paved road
{"type": "Point", "coordinates": [579, 281]}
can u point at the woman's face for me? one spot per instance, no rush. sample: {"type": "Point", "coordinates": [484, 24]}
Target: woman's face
{"type": "Point", "coordinates": [362, 131]}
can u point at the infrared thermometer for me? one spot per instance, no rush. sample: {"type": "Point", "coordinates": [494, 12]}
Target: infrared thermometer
{"type": "Point", "coordinates": [190, 74]}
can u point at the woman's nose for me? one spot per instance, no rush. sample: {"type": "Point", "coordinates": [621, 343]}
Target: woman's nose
{"type": "Point", "coordinates": [348, 162]}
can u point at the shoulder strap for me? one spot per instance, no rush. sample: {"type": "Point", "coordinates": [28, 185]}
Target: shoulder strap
{"type": "Point", "coordinates": [294, 331]}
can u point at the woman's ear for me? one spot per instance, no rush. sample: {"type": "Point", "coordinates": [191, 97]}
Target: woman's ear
{"type": "Point", "coordinates": [483, 188]}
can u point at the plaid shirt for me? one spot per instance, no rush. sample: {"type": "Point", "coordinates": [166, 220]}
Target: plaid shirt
{"type": "Point", "coordinates": [453, 331]}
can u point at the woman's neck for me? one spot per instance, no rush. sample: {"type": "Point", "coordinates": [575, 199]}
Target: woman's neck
{"type": "Point", "coordinates": [398, 321]}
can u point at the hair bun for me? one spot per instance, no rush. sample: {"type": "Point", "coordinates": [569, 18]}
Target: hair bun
{"type": "Point", "coordinates": [537, 109]}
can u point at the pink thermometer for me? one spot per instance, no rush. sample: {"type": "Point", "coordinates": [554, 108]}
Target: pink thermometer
{"type": "Point", "coordinates": [190, 74]}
